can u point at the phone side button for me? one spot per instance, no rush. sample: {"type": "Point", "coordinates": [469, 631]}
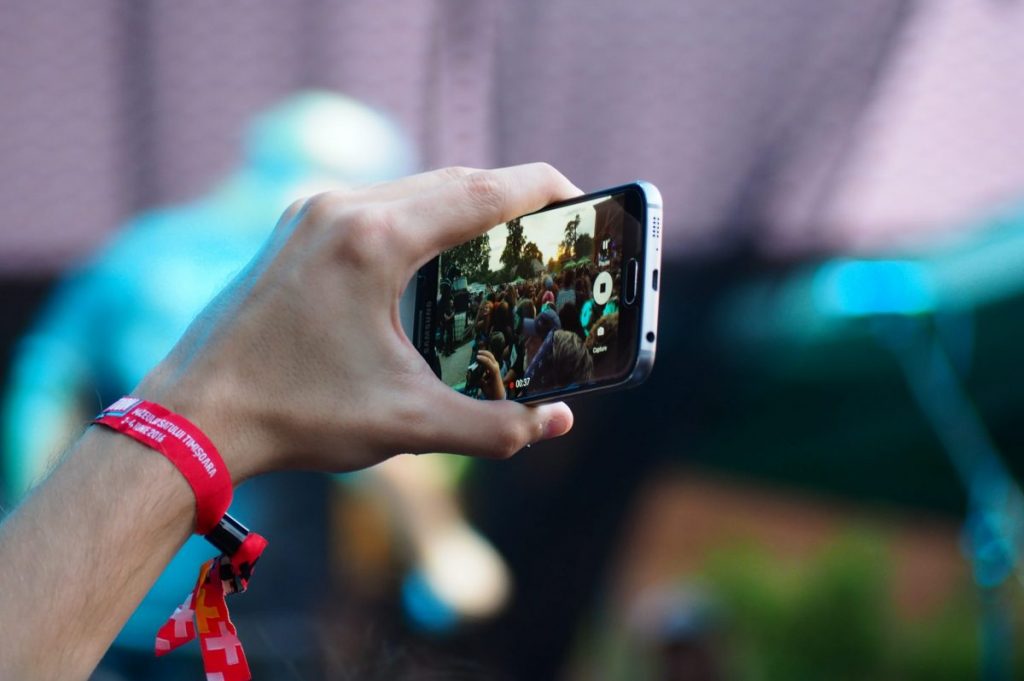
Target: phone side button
{"type": "Point", "coordinates": [632, 276]}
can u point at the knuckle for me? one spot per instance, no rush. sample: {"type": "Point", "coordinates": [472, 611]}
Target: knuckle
{"type": "Point", "coordinates": [320, 208]}
{"type": "Point", "coordinates": [546, 168]}
{"type": "Point", "coordinates": [550, 174]}
{"type": "Point", "coordinates": [455, 172]}
{"type": "Point", "coordinates": [365, 237]}
{"type": "Point", "coordinates": [289, 217]}
{"type": "Point", "coordinates": [486, 188]}
{"type": "Point", "coordinates": [508, 441]}
{"type": "Point", "coordinates": [294, 208]}
{"type": "Point", "coordinates": [371, 222]}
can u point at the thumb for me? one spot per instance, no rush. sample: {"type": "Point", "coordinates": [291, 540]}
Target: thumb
{"type": "Point", "coordinates": [492, 430]}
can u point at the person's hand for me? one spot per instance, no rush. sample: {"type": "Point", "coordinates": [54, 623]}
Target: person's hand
{"type": "Point", "coordinates": [301, 362]}
{"type": "Point", "coordinates": [490, 382]}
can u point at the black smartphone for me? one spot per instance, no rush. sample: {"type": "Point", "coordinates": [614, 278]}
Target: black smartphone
{"type": "Point", "coordinates": [548, 305]}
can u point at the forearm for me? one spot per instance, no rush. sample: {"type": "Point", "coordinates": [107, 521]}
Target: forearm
{"type": "Point", "coordinates": [80, 553]}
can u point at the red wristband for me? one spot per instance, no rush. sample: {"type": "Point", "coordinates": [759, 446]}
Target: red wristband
{"type": "Point", "coordinates": [184, 445]}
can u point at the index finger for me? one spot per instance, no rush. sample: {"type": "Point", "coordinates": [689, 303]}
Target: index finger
{"type": "Point", "coordinates": [467, 207]}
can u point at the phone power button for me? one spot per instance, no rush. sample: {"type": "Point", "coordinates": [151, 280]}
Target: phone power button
{"type": "Point", "coordinates": [632, 277]}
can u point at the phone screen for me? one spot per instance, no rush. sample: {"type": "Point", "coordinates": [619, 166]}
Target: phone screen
{"type": "Point", "coordinates": [534, 307]}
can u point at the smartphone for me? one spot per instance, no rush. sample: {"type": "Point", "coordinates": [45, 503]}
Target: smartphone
{"type": "Point", "coordinates": [546, 306]}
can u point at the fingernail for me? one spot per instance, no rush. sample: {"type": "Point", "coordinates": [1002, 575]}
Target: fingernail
{"type": "Point", "coordinates": [558, 425]}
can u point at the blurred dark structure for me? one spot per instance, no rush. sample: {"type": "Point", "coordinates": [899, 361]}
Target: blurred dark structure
{"type": "Point", "coordinates": [778, 133]}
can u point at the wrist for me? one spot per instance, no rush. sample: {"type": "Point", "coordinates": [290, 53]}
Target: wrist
{"type": "Point", "coordinates": [126, 464]}
{"type": "Point", "coordinates": [220, 410]}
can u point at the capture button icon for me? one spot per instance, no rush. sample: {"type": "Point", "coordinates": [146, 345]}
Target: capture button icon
{"type": "Point", "coordinates": [602, 288]}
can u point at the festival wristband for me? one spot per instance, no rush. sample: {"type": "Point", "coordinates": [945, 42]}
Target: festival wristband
{"type": "Point", "coordinates": [184, 445]}
{"type": "Point", "coordinates": [204, 611]}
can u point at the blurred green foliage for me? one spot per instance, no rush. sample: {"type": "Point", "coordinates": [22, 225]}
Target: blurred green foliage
{"type": "Point", "coordinates": [826, 619]}
{"type": "Point", "coordinates": [830, 616]}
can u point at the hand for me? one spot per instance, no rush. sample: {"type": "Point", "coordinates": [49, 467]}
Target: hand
{"type": "Point", "coordinates": [301, 362]}
{"type": "Point", "coordinates": [490, 383]}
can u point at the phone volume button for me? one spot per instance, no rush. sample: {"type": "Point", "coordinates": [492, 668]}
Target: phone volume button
{"type": "Point", "coordinates": [632, 277]}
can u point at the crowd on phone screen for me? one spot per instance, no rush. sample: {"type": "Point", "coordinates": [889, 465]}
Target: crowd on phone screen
{"type": "Point", "coordinates": [537, 334]}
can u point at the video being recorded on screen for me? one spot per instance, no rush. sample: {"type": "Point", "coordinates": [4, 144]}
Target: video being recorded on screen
{"type": "Point", "coordinates": [532, 306]}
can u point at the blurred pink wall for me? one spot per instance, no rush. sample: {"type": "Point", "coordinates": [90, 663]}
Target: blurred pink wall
{"type": "Point", "coordinates": [790, 125]}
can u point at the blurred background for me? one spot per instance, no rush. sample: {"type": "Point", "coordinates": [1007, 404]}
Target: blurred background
{"type": "Point", "coordinates": [818, 481]}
